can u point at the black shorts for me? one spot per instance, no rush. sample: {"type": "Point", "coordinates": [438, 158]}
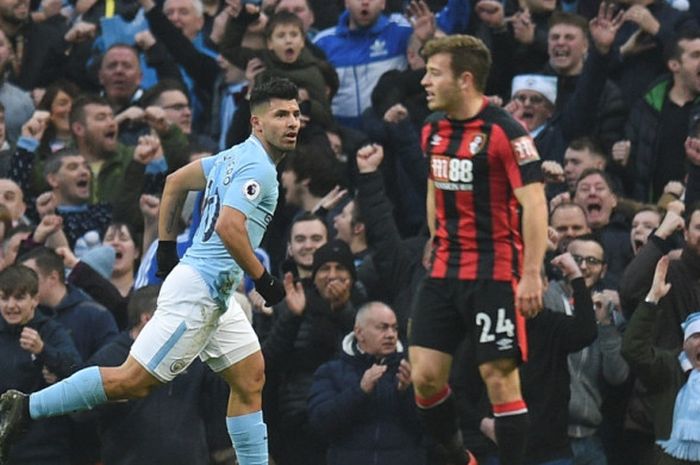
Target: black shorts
{"type": "Point", "coordinates": [447, 310]}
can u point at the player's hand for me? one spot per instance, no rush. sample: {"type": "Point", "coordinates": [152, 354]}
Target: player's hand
{"type": "Point", "coordinates": [167, 258]}
{"type": "Point", "coordinates": [528, 297]}
{"type": "Point", "coordinates": [270, 288]}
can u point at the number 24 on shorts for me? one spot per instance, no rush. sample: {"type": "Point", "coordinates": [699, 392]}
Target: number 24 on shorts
{"type": "Point", "coordinates": [503, 326]}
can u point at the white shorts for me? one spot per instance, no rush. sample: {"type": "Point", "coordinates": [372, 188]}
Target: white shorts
{"type": "Point", "coordinates": [187, 323]}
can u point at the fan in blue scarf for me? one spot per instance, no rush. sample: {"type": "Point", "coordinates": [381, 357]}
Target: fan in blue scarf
{"type": "Point", "coordinates": [684, 443]}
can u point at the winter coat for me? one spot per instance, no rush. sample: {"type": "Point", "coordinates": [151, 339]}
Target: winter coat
{"type": "Point", "coordinates": [379, 428]}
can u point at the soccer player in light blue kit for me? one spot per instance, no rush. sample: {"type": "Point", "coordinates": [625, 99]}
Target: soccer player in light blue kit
{"type": "Point", "coordinates": [196, 314]}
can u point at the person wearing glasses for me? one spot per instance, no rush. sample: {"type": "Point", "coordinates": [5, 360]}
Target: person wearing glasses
{"type": "Point", "coordinates": [600, 363]}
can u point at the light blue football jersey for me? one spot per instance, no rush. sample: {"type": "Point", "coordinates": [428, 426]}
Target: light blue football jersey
{"type": "Point", "coordinates": [245, 178]}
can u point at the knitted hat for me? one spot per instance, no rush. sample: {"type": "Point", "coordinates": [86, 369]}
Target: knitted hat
{"type": "Point", "coordinates": [545, 85]}
{"type": "Point", "coordinates": [334, 251]}
{"type": "Point", "coordinates": [101, 259]}
{"type": "Point", "coordinates": [691, 325]}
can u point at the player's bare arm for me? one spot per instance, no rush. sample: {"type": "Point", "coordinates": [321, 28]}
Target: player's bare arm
{"type": "Point", "coordinates": [231, 228]}
{"type": "Point", "coordinates": [188, 178]}
{"type": "Point", "coordinates": [534, 219]}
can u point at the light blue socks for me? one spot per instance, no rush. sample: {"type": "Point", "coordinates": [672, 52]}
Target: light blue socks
{"type": "Point", "coordinates": [81, 391]}
{"type": "Point", "coordinates": [249, 436]}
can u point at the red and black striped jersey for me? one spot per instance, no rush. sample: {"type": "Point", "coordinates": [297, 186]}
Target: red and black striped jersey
{"type": "Point", "coordinates": [476, 164]}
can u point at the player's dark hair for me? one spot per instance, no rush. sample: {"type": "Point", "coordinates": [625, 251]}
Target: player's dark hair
{"type": "Point", "coordinates": [467, 53]}
{"type": "Point", "coordinates": [267, 88]}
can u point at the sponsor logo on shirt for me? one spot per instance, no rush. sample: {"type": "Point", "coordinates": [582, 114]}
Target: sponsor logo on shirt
{"type": "Point", "coordinates": [525, 150]}
{"type": "Point", "coordinates": [452, 174]}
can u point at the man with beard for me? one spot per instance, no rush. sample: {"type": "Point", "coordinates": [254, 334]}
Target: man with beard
{"type": "Point", "coordinates": [118, 170]}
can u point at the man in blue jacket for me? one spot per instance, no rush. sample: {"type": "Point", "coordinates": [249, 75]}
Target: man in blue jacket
{"type": "Point", "coordinates": [363, 401]}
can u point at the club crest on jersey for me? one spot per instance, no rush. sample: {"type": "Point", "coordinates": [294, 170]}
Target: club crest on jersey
{"type": "Point", "coordinates": [525, 150]}
{"type": "Point", "coordinates": [436, 139]}
{"type": "Point", "coordinates": [251, 189]}
{"type": "Point", "coordinates": [477, 143]}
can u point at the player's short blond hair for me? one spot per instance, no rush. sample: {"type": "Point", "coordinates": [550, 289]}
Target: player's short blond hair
{"type": "Point", "coordinates": [467, 53]}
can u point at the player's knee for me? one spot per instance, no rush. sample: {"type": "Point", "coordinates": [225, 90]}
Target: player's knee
{"type": "Point", "coordinates": [426, 382]}
{"type": "Point", "coordinates": [250, 384]}
{"type": "Point", "coordinates": [501, 380]}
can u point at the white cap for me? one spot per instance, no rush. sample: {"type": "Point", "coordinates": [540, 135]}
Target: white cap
{"type": "Point", "coordinates": [540, 83]}
{"type": "Point", "coordinates": [691, 325]}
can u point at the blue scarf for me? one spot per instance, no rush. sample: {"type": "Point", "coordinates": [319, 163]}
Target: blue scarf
{"type": "Point", "coordinates": [684, 443]}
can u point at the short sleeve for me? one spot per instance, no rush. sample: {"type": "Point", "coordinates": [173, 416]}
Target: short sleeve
{"type": "Point", "coordinates": [519, 153]}
{"type": "Point", "coordinates": [250, 186]}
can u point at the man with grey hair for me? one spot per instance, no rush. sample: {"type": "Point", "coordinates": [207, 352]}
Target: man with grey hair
{"type": "Point", "coordinates": [373, 377]}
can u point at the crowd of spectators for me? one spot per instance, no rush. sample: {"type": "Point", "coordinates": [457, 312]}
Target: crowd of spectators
{"type": "Point", "coordinates": [101, 99]}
